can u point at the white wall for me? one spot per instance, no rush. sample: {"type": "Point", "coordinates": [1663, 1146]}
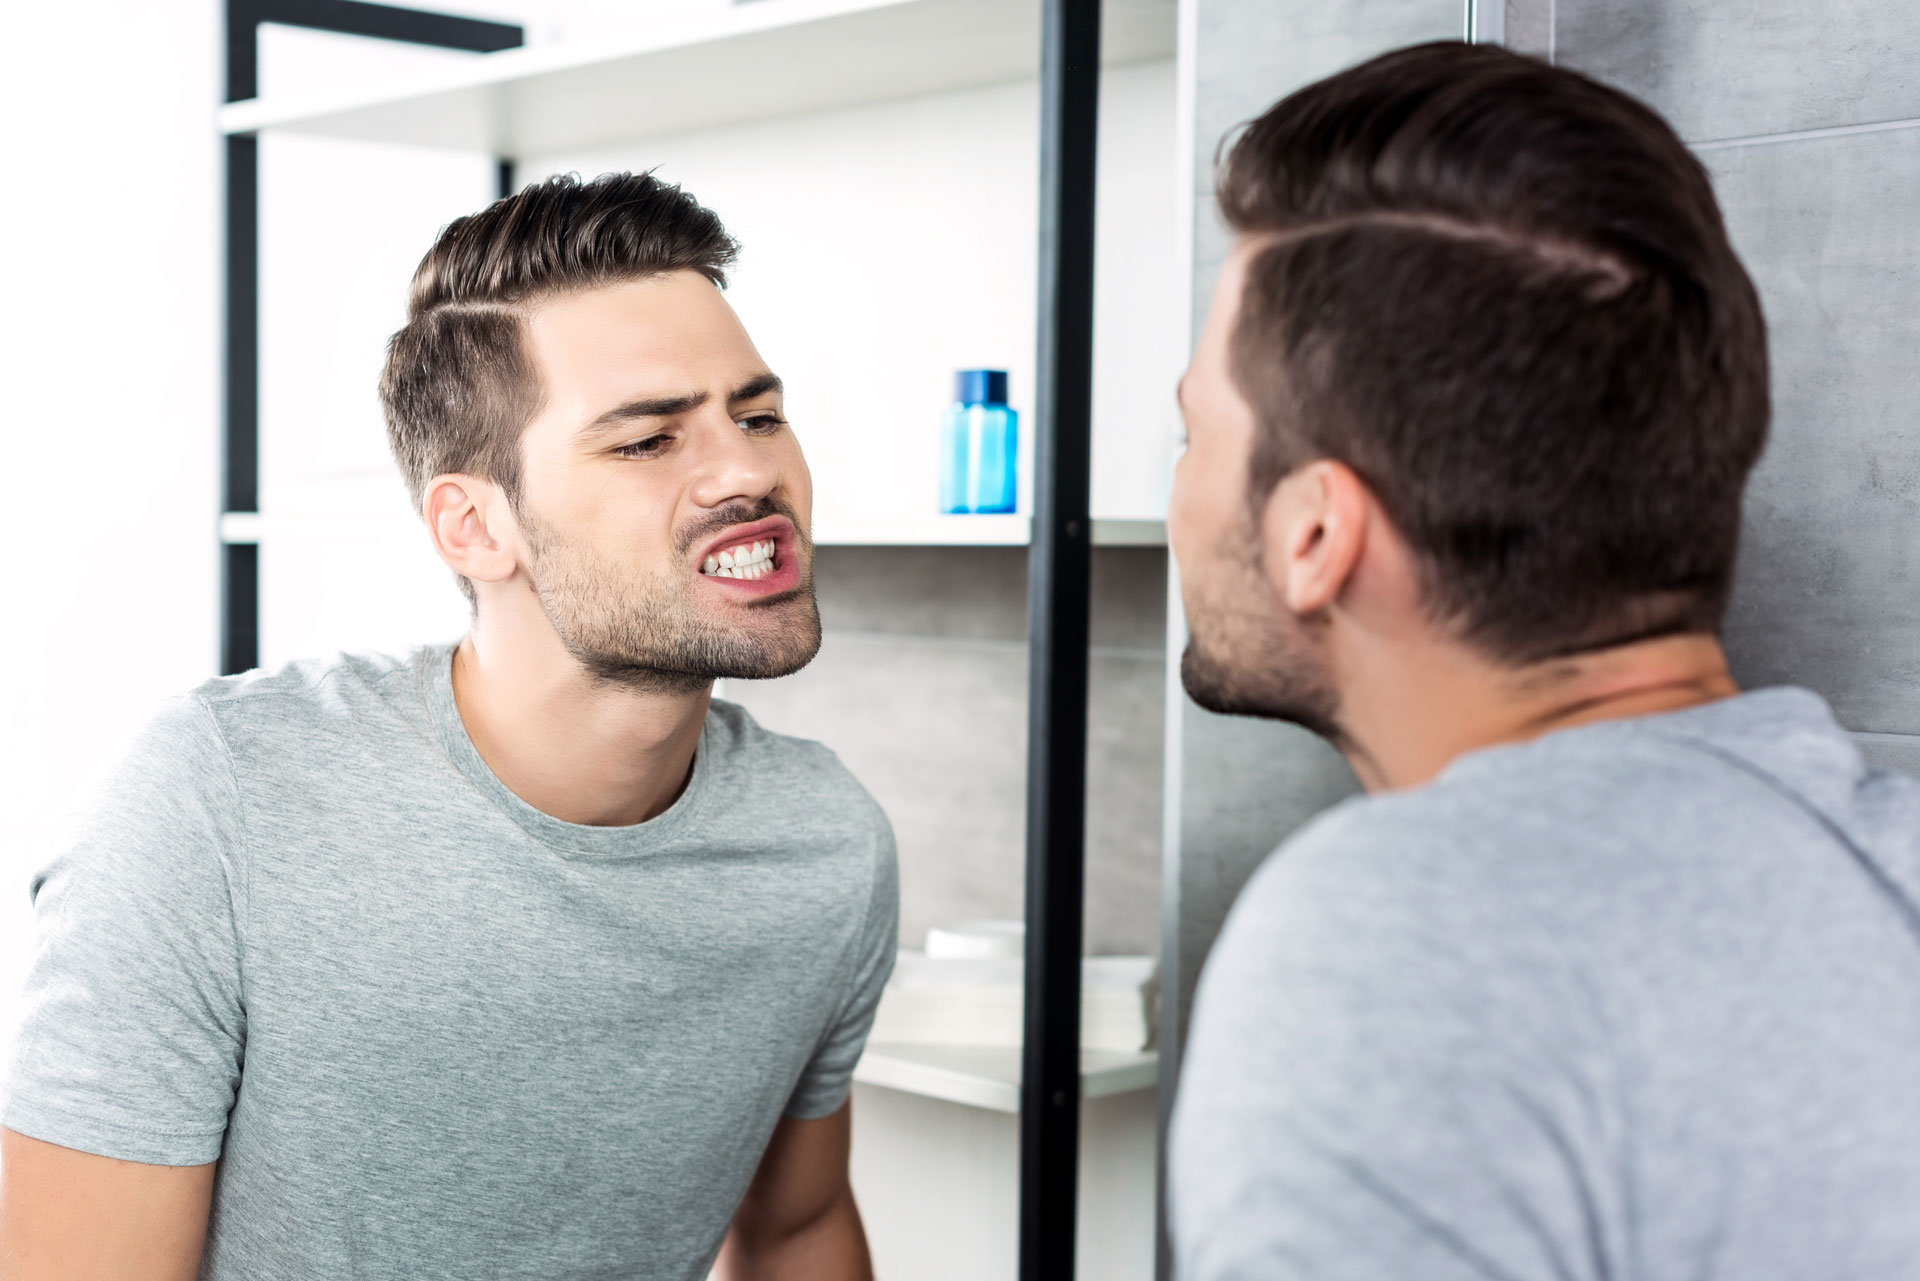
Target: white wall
{"type": "Point", "coordinates": [111, 402]}
{"type": "Point", "coordinates": [938, 1189]}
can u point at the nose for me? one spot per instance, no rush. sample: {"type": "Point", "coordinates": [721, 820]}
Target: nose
{"type": "Point", "coordinates": [733, 467]}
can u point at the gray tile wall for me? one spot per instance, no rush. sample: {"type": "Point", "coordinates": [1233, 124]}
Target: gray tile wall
{"type": "Point", "coordinates": [920, 686]}
{"type": "Point", "coordinates": [1733, 70]}
{"type": "Point", "coordinates": [1819, 201]}
{"type": "Point", "coordinates": [1829, 586]}
{"type": "Point", "coordinates": [1251, 53]}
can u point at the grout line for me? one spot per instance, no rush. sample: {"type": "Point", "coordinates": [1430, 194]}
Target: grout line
{"type": "Point", "coordinates": [1805, 135]}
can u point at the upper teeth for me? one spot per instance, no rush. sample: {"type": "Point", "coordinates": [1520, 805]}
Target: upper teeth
{"type": "Point", "coordinates": [748, 560]}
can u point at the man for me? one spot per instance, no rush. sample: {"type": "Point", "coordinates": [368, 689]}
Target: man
{"type": "Point", "coordinates": [521, 958]}
{"type": "Point", "coordinates": [1616, 972]}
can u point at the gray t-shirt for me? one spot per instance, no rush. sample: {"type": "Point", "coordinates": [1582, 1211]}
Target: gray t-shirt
{"type": "Point", "coordinates": [1636, 1001]}
{"type": "Point", "coordinates": [428, 1030]}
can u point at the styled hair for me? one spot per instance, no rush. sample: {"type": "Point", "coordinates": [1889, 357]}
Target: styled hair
{"type": "Point", "coordinates": [459, 386]}
{"type": "Point", "coordinates": [1502, 294]}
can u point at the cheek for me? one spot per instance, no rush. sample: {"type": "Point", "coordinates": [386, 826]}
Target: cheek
{"type": "Point", "coordinates": [796, 479]}
{"type": "Point", "coordinates": [800, 484]}
{"type": "Point", "coordinates": [626, 530]}
{"type": "Point", "coordinates": [1192, 508]}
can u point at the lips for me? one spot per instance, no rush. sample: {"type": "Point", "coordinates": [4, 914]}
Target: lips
{"type": "Point", "coordinates": [777, 528]}
{"type": "Point", "coordinates": [756, 559]}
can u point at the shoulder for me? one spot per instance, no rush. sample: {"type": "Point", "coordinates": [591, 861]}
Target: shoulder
{"type": "Point", "coordinates": [1381, 855]}
{"type": "Point", "coordinates": [276, 715]}
{"type": "Point", "coordinates": [168, 816]}
{"type": "Point", "coordinates": [1549, 827]}
{"type": "Point", "coordinates": [1384, 1008]}
{"type": "Point", "coordinates": [1426, 900]}
{"type": "Point", "coordinates": [175, 772]}
{"type": "Point", "coordinates": [322, 686]}
{"type": "Point", "coordinates": [197, 749]}
{"type": "Point", "coordinates": [802, 780]}
{"type": "Point", "coordinates": [1406, 951]}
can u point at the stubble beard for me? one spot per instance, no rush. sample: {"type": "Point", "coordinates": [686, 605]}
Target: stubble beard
{"type": "Point", "coordinates": [1248, 656]}
{"type": "Point", "coordinates": [649, 636]}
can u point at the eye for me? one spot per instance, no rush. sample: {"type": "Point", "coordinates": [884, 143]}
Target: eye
{"type": "Point", "coordinates": [644, 448]}
{"type": "Point", "coordinates": [763, 424]}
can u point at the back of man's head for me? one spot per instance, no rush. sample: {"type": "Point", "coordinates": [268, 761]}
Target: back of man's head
{"type": "Point", "coordinates": [1503, 295]}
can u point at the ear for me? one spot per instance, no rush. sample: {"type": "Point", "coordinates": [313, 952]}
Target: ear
{"type": "Point", "coordinates": [1313, 531]}
{"type": "Point", "coordinates": [472, 527]}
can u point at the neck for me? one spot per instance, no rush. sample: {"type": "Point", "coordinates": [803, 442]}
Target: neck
{"type": "Point", "coordinates": [566, 744]}
{"type": "Point", "coordinates": [1405, 717]}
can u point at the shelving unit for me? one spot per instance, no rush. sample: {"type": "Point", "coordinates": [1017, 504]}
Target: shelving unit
{"type": "Point", "coordinates": [705, 69]}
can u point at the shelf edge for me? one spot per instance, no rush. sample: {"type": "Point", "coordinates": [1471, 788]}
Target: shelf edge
{"type": "Point", "coordinates": [894, 1067]}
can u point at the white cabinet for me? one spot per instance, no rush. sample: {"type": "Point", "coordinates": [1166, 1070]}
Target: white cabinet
{"type": "Point", "coordinates": [936, 1159]}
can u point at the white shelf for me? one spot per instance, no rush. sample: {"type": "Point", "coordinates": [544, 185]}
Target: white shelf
{"type": "Point", "coordinates": [770, 59]}
{"type": "Point", "coordinates": [976, 531]}
{"type": "Point", "coordinates": [935, 531]}
{"type": "Point", "coordinates": [988, 1076]}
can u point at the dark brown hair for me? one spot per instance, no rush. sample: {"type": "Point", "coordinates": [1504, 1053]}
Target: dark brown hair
{"type": "Point", "coordinates": [1502, 293]}
{"type": "Point", "coordinates": [458, 387]}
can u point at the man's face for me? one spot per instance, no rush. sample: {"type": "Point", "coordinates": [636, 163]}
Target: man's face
{"type": "Point", "coordinates": [1247, 654]}
{"type": "Point", "coordinates": [664, 500]}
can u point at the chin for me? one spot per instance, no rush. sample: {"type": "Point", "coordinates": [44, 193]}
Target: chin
{"type": "Point", "coordinates": [1299, 696]}
{"type": "Point", "coordinates": [771, 662]}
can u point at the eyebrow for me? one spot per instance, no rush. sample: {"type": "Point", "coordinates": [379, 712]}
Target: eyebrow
{"type": "Point", "coordinates": [686, 403]}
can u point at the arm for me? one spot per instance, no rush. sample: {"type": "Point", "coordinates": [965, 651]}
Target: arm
{"type": "Point", "coordinates": [70, 1214]}
{"type": "Point", "coordinates": [798, 1221]}
{"type": "Point", "coordinates": [132, 1026]}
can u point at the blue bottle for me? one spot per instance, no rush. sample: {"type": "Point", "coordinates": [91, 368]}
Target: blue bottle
{"type": "Point", "coordinates": [979, 445]}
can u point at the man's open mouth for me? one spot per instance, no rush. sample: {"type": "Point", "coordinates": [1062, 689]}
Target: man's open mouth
{"type": "Point", "coordinates": [751, 559]}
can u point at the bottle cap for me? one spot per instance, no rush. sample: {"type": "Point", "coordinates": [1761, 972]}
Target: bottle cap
{"type": "Point", "coordinates": [980, 386]}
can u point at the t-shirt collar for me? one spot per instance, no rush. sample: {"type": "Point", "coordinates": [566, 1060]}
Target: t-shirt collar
{"type": "Point", "coordinates": [581, 839]}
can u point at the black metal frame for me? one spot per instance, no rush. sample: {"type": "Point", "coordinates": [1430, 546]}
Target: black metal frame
{"type": "Point", "coordinates": [240, 467]}
{"type": "Point", "coordinates": [1059, 557]}
{"type": "Point", "coordinates": [1059, 560]}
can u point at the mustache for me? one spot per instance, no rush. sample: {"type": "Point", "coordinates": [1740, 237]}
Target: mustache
{"type": "Point", "coordinates": [741, 513]}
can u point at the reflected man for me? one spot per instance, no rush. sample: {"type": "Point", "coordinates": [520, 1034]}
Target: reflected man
{"type": "Point", "coordinates": [516, 957]}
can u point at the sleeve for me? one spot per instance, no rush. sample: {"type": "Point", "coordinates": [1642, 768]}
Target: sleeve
{"type": "Point", "coordinates": [828, 1077]}
{"type": "Point", "coordinates": [132, 1021]}
{"type": "Point", "coordinates": [1389, 1076]}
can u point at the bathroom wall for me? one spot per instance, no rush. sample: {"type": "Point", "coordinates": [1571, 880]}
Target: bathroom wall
{"type": "Point", "coordinates": [1808, 118]}
{"type": "Point", "coordinates": [112, 376]}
